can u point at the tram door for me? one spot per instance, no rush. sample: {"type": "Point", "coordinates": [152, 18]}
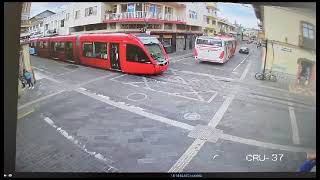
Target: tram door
{"type": "Point", "coordinates": [115, 56]}
{"type": "Point", "coordinates": [69, 51]}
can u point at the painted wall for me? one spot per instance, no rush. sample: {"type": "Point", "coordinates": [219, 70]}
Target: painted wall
{"type": "Point", "coordinates": [280, 24]}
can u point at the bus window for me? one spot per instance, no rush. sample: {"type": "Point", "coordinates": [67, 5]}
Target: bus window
{"type": "Point", "coordinates": [101, 50]}
{"type": "Point", "coordinates": [88, 50]}
{"type": "Point", "coordinates": [136, 54]}
{"type": "Point", "coordinates": [212, 42]}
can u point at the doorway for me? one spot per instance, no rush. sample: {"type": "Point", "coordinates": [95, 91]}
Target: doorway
{"type": "Point", "coordinates": [305, 72]}
{"type": "Point", "coordinates": [115, 56]}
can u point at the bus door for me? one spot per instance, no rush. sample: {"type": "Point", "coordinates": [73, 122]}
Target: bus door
{"type": "Point", "coordinates": [115, 56]}
{"type": "Point", "coordinates": [69, 51]}
{"type": "Point", "coordinates": [53, 50]}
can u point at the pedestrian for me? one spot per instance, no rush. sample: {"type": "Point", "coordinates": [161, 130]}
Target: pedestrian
{"type": "Point", "coordinates": [21, 78]}
{"type": "Point", "coordinates": [28, 77]}
{"type": "Point", "coordinates": [308, 164]}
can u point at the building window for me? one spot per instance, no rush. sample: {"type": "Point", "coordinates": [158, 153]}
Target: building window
{"type": "Point", "coordinates": [77, 14]}
{"type": "Point", "coordinates": [213, 22]}
{"type": "Point", "coordinates": [112, 25]}
{"type": "Point", "coordinates": [308, 30]}
{"type": "Point", "coordinates": [181, 27]}
{"type": "Point", "coordinates": [192, 14]}
{"type": "Point", "coordinates": [168, 10]}
{"type": "Point", "coordinates": [62, 23]}
{"type": "Point", "coordinates": [208, 21]}
{"type": "Point", "coordinates": [167, 26]}
{"type": "Point", "coordinates": [136, 54]}
{"type": "Point", "coordinates": [114, 9]}
{"type": "Point", "coordinates": [124, 8]}
{"type": "Point", "coordinates": [67, 16]}
{"type": "Point", "coordinates": [46, 26]}
{"type": "Point", "coordinates": [91, 11]}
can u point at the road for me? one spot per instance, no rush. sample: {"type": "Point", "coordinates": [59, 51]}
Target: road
{"type": "Point", "coordinates": [196, 117]}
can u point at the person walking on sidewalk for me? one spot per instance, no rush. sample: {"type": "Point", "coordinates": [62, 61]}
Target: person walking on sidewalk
{"type": "Point", "coordinates": [28, 76]}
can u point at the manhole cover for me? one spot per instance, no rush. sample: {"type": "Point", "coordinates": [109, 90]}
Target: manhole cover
{"type": "Point", "coordinates": [191, 116]}
{"type": "Point", "coordinates": [71, 66]}
{"type": "Point", "coordinates": [136, 96]}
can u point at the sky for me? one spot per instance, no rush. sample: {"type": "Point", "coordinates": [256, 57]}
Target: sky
{"type": "Point", "coordinates": [232, 11]}
{"type": "Point", "coordinates": [242, 14]}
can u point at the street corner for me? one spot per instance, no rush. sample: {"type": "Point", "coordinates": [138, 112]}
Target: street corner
{"type": "Point", "coordinates": [229, 156]}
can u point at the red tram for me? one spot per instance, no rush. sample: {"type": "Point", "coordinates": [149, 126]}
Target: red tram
{"type": "Point", "coordinates": [136, 54]}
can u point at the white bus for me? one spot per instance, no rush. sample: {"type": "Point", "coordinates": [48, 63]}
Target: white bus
{"type": "Point", "coordinates": [214, 49]}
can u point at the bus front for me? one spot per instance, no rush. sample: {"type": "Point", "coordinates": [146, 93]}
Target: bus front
{"type": "Point", "coordinates": [157, 53]}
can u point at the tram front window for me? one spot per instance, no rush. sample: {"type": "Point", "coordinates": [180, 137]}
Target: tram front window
{"type": "Point", "coordinates": [156, 52]}
{"type": "Point", "coordinates": [153, 46]}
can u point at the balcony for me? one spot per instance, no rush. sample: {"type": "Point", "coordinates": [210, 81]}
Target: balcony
{"type": "Point", "coordinates": [142, 16]}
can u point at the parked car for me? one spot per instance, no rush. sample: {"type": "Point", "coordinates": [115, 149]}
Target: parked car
{"type": "Point", "coordinates": [244, 50]}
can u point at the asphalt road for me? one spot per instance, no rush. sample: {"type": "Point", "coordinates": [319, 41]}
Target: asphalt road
{"type": "Point", "coordinates": [196, 117]}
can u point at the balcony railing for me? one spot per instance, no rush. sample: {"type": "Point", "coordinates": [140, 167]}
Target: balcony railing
{"type": "Point", "coordinates": [142, 15]}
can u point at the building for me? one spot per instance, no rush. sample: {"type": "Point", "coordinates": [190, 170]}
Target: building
{"type": "Point", "coordinates": [56, 24]}
{"type": "Point", "coordinates": [37, 29]}
{"type": "Point", "coordinates": [211, 19]}
{"type": "Point", "coordinates": [24, 57]}
{"type": "Point", "coordinates": [290, 51]}
{"type": "Point", "coordinates": [251, 33]}
{"type": "Point", "coordinates": [225, 27]}
{"type": "Point", "coordinates": [175, 24]}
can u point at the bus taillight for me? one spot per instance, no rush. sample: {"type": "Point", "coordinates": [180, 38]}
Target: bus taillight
{"type": "Point", "coordinates": [221, 55]}
{"type": "Point", "coordinates": [195, 52]}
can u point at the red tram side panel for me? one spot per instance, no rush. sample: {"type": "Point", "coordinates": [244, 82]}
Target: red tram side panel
{"type": "Point", "coordinates": [136, 54]}
{"type": "Point", "coordinates": [63, 48]}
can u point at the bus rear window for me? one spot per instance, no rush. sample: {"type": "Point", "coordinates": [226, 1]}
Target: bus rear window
{"type": "Point", "coordinates": [209, 42]}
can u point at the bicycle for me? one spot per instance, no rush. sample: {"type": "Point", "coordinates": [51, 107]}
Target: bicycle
{"type": "Point", "coordinates": [266, 76]}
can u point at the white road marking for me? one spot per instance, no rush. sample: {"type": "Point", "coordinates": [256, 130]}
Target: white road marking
{"type": "Point", "coordinates": [40, 99]}
{"type": "Point", "coordinates": [241, 62]}
{"type": "Point", "coordinates": [144, 97]}
{"type": "Point", "coordinates": [76, 142]}
{"type": "Point", "coordinates": [146, 82]}
{"type": "Point", "coordinates": [243, 75]}
{"type": "Point", "coordinates": [215, 156]}
{"type": "Point", "coordinates": [134, 109]}
{"type": "Point", "coordinates": [221, 111]}
{"type": "Point", "coordinates": [264, 144]}
{"type": "Point", "coordinates": [204, 74]}
{"type": "Point", "coordinates": [294, 126]}
{"type": "Point", "coordinates": [187, 156]}
{"type": "Point", "coordinates": [47, 77]}
{"type": "Point", "coordinates": [92, 80]}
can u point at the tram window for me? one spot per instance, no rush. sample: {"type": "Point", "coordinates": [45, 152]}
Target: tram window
{"type": "Point", "coordinates": [136, 54]}
{"type": "Point", "coordinates": [88, 50]}
{"type": "Point", "coordinates": [45, 44]}
{"type": "Point", "coordinates": [41, 44]}
{"type": "Point", "coordinates": [101, 50]}
{"type": "Point", "coordinates": [59, 46]}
